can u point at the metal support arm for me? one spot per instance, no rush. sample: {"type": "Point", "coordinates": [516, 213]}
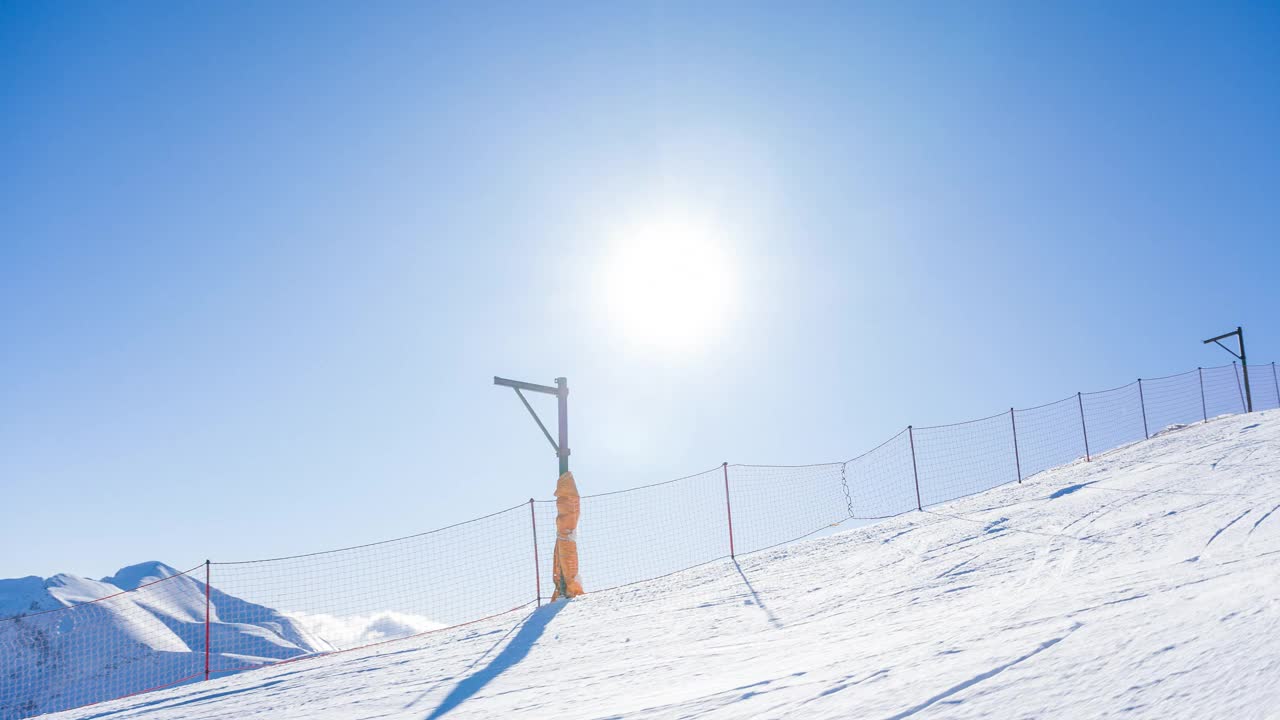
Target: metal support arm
{"type": "Point", "coordinates": [561, 391]}
{"type": "Point", "coordinates": [1244, 364]}
{"type": "Point", "coordinates": [520, 385]}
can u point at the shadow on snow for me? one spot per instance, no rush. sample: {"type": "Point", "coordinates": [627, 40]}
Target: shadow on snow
{"type": "Point", "coordinates": [515, 651]}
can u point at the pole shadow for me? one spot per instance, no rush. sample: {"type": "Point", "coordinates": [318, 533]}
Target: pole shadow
{"type": "Point", "coordinates": [496, 644]}
{"type": "Point", "coordinates": [773, 619]}
{"type": "Point", "coordinates": [515, 651]}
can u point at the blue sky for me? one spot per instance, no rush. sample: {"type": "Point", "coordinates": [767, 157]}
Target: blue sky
{"type": "Point", "coordinates": [260, 261]}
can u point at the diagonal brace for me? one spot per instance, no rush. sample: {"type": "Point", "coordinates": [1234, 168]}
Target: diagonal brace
{"type": "Point", "coordinates": [537, 419]}
{"type": "Point", "coordinates": [1224, 347]}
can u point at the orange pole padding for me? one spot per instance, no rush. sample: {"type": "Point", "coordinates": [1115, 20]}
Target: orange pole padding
{"type": "Point", "coordinates": [565, 557]}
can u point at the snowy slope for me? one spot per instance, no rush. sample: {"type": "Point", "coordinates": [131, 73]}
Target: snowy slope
{"type": "Point", "coordinates": [54, 660]}
{"type": "Point", "coordinates": [1143, 584]}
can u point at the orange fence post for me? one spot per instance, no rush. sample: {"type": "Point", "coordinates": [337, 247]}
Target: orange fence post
{"type": "Point", "coordinates": [206, 619]}
{"type": "Point", "coordinates": [1083, 428]}
{"type": "Point", "coordinates": [728, 508]}
{"type": "Point", "coordinates": [537, 572]}
{"type": "Point", "coordinates": [1017, 460]}
{"type": "Point", "coordinates": [1204, 409]}
{"type": "Point", "coordinates": [915, 472]}
{"type": "Point", "coordinates": [1143, 402]}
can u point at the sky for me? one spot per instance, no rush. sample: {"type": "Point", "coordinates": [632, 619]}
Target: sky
{"type": "Point", "coordinates": [259, 262]}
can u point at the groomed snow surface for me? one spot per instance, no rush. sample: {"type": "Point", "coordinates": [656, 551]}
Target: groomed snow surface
{"type": "Point", "coordinates": [1142, 584]}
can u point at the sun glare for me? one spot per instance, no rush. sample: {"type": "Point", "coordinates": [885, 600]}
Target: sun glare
{"type": "Point", "coordinates": [668, 285]}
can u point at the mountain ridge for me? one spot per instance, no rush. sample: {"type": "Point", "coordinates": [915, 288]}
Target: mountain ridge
{"type": "Point", "coordinates": [68, 640]}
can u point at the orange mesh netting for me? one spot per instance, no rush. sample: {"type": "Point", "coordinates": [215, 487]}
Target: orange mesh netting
{"type": "Point", "coordinates": [565, 557]}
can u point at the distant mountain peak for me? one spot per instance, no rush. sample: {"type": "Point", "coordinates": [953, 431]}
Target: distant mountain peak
{"type": "Point", "coordinates": [133, 576]}
{"type": "Point", "coordinates": [108, 638]}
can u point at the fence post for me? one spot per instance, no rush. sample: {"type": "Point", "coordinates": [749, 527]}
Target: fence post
{"type": "Point", "coordinates": [1143, 402]}
{"type": "Point", "coordinates": [915, 472]}
{"type": "Point", "coordinates": [1248, 393]}
{"type": "Point", "coordinates": [1017, 461]}
{"type": "Point", "coordinates": [206, 619]}
{"type": "Point", "coordinates": [728, 509]}
{"type": "Point", "coordinates": [1235, 370]}
{"type": "Point", "coordinates": [1083, 428]}
{"type": "Point", "coordinates": [537, 573]}
{"type": "Point", "coordinates": [1203, 408]}
{"type": "Point", "coordinates": [1275, 383]}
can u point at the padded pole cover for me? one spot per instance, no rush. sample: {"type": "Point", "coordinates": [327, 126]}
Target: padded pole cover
{"type": "Point", "coordinates": [565, 557]}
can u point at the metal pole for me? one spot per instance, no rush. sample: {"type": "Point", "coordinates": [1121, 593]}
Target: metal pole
{"type": "Point", "coordinates": [537, 573]}
{"type": "Point", "coordinates": [914, 470]}
{"type": "Point", "coordinates": [1244, 363]}
{"type": "Point", "coordinates": [562, 397]}
{"type": "Point", "coordinates": [1142, 401]}
{"type": "Point", "coordinates": [1017, 461]}
{"type": "Point", "coordinates": [1083, 428]}
{"type": "Point", "coordinates": [728, 508]}
{"type": "Point", "coordinates": [1275, 382]}
{"type": "Point", "coordinates": [1246, 398]}
{"type": "Point", "coordinates": [1203, 408]}
{"type": "Point", "coordinates": [1248, 394]}
{"type": "Point", "coordinates": [206, 619]}
{"type": "Point", "coordinates": [1235, 370]}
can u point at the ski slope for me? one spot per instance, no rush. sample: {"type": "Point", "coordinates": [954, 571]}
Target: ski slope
{"type": "Point", "coordinates": [1144, 584]}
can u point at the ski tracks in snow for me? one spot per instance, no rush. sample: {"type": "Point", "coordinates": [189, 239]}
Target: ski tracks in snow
{"type": "Point", "coordinates": [1264, 517]}
{"type": "Point", "coordinates": [954, 689]}
{"type": "Point", "coordinates": [1222, 529]}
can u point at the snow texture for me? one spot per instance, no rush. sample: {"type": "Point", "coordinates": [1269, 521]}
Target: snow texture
{"type": "Point", "coordinates": [1142, 584]}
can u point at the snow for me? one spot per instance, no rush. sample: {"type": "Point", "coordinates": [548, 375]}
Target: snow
{"type": "Point", "coordinates": [355, 630]}
{"type": "Point", "coordinates": [130, 642]}
{"type": "Point", "coordinates": [1142, 584]}
{"type": "Point", "coordinates": [135, 576]}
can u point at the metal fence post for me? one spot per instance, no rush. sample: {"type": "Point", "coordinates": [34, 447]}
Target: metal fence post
{"type": "Point", "coordinates": [1275, 383]}
{"type": "Point", "coordinates": [915, 472]}
{"type": "Point", "coordinates": [1244, 364]}
{"type": "Point", "coordinates": [537, 572]}
{"type": "Point", "coordinates": [1083, 428]}
{"type": "Point", "coordinates": [1017, 461]}
{"type": "Point", "coordinates": [1203, 408]}
{"type": "Point", "coordinates": [206, 619]}
{"type": "Point", "coordinates": [728, 508]}
{"type": "Point", "coordinates": [1143, 402]}
{"type": "Point", "coordinates": [1235, 370]}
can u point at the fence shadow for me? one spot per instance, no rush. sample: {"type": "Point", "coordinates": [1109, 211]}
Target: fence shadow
{"type": "Point", "coordinates": [515, 651]}
{"type": "Point", "coordinates": [773, 619]}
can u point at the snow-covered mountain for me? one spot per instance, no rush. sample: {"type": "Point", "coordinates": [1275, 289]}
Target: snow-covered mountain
{"type": "Point", "coordinates": [51, 659]}
{"type": "Point", "coordinates": [1140, 585]}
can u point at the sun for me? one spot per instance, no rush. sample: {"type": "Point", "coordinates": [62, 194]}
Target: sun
{"type": "Point", "coordinates": [668, 285]}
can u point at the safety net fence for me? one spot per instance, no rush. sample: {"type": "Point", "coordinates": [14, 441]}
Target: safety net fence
{"type": "Point", "coordinates": [226, 617]}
